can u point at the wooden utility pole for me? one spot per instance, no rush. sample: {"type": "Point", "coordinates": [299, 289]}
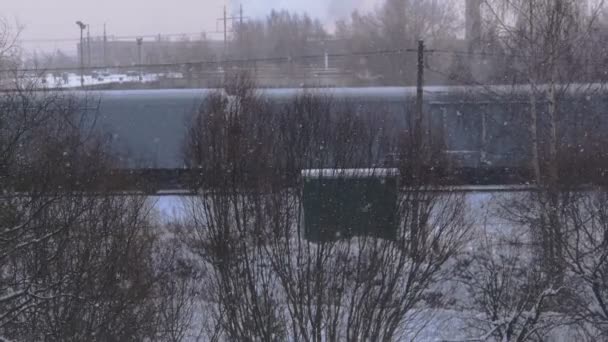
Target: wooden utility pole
{"type": "Point", "coordinates": [81, 57]}
{"type": "Point", "coordinates": [225, 30]}
{"type": "Point", "coordinates": [225, 20]}
{"type": "Point", "coordinates": [140, 42]}
{"type": "Point", "coordinates": [81, 26]}
{"type": "Point", "coordinates": [89, 46]}
{"type": "Point", "coordinates": [417, 157]}
{"type": "Point", "coordinates": [105, 45]}
{"type": "Point", "coordinates": [419, 96]}
{"type": "Point", "coordinates": [241, 15]}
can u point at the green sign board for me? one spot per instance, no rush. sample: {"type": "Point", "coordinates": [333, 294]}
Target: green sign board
{"type": "Point", "coordinates": [346, 203]}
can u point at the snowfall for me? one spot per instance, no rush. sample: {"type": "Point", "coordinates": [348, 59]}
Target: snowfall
{"type": "Point", "coordinates": [435, 325]}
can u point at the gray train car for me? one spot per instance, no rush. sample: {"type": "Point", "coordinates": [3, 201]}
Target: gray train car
{"type": "Point", "coordinates": [477, 128]}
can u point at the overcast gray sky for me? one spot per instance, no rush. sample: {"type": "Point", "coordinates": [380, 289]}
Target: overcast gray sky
{"type": "Point", "coordinates": [55, 19]}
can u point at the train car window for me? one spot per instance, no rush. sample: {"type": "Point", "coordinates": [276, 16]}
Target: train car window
{"type": "Point", "coordinates": [463, 125]}
{"type": "Point", "coordinates": [506, 140]}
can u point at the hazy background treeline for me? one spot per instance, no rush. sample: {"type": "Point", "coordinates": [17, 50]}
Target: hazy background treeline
{"type": "Point", "coordinates": [467, 42]}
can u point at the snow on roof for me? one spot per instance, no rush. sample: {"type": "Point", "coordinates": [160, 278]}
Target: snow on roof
{"type": "Point", "coordinates": [349, 173]}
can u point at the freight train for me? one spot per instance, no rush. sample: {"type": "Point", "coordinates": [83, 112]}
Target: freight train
{"type": "Point", "coordinates": [484, 132]}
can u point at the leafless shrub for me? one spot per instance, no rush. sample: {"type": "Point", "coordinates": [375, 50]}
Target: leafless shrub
{"type": "Point", "coordinates": [76, 261]}
{"type": "Point", "coordinates": [585, 224]}
{"type": "Point", "coordinates": [9, 49]}
{"type": "Point", "coordinates": [396, 23]}
{"type": "Point", "coordinates": [365, 288]}
{"type": "Point", "coordinates": [92, 280]}
{"type": "Point", "coordinates": [179, 284]}
{"type": "Point", "coordinates": [510, 296]}
{"type": "Point", "coordinates": [578, 260]}
{"type": "Point", "coordinates": [267, 282]}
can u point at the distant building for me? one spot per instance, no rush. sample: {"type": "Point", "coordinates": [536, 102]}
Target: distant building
{"type": "Point", "coordinates": [159, 51]}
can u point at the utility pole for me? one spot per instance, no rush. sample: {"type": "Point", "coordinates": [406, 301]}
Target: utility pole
{"type": "Point", "coordinates": [240, 31]}
{"type": "Point", "coordinates": [225, 20]}
{"type": "Point", "coordinates": [140, 42]}
{"type": "Point", "coordinates": [420, 94]}
{"type": "Point", "coordinates": [225, 30]}
{"type": "Point", "coordinates": [82, 26]}
{"type": "Point", "coordinates": [241, 16]}
{"type": "Point", "coordinates": [89, 46]}
{"type": "Point", "coordinates": [418, 152]}
{"type": "Point", "coordinates": [105, 45]}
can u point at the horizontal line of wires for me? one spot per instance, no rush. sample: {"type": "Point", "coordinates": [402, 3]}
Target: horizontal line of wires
{"type": "Point", "coordinates": [214, 62]}
{"type": "Point", "coordinates": [112, 38]}
{"type": "Point", "coordinates": [248, 62]}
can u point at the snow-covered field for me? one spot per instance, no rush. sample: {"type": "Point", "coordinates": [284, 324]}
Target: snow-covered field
{"type": "Point", "coordinates": [73, 80]}
{"type": "Point", "coordinates": [446, 324]}
{"type": "Point", "coordinates": [482, 207]}
{"type": "Point", "coordinates": [435, 325]}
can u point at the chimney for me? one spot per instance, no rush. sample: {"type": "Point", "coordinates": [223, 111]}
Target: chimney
{"type": "Point", "coordinates": [473, 24]}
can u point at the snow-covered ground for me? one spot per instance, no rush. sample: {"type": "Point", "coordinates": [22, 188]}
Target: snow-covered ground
{"type": "Point", "coordinates": [482, 207]}
{"type": "Point", "coordinates": [72, 80]}
{"type": "Point", "coordinates": [169, 208]}
{"type": "Point", "coordinates": [483, 210]}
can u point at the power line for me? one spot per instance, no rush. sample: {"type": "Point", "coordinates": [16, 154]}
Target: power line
{"type": "Point", "coordinates": [218, 32]}
{"type": "Point", "coordinates": [495, 54]}
{"type": "Point", "coordinates": [479, 53]}
{"type": "Point", "coordinates": [219, 62]}
{"type": "Point", "coordinates": [115, 37]}
{"type": "Point", "coordinates": [287, 59]}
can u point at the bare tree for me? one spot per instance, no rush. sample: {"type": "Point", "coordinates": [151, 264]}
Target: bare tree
{"type": "Point", "coordinates": [61, 255]}
{"type": "Point", "coordinates": [281, 34]}
{"type": "Point", "coordinates": [555, 40]}
{"type": "Point", "coordinates": [549, 40]}
{"type": "Point", "coordinates": [179, 284]}
{"type": "Point", "coordinates": [510, 296]}
{"type": "Point", "coordinates": [585, 220]}
{"type": "Point", "coordinates": [77, 261]}
{"type": "Point", "coordinates": [229, 142]}
{"type": "Point", "coordinates": [397, 24]}
{"type": "Point", "coordinates": [265, 279]}
{"type": "Point", "coordinates": [9, 49]}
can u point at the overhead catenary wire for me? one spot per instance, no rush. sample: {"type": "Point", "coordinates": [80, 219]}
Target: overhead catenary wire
{"type": "Point", "coordinates": [215, 62]}
{"type": "Point", "coordinates": [245, 61]}
{"type": "Point", "coordinates": [491, 91]}
{"type": "Point", "coordinates": [477, 53]}
{"type": "Point", "coordinates": [220, 32]}
{"type": "Point", "coordinates": [273, 59]}
{"type": "Point", "coordinates": [120, 37]}
{"type": "Point", "coordinates": [229, 61]}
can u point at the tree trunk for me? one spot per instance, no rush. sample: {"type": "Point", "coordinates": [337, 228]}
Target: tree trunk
{"type": "Point", "coordinates": [533, 130]}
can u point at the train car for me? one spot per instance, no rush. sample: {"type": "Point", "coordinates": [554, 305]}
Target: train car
{"type": "Point", "coordinates": [477, 128]}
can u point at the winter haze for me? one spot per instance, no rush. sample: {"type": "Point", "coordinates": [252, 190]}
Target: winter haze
{"type": "Point", "coordinates": [48, 24]}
